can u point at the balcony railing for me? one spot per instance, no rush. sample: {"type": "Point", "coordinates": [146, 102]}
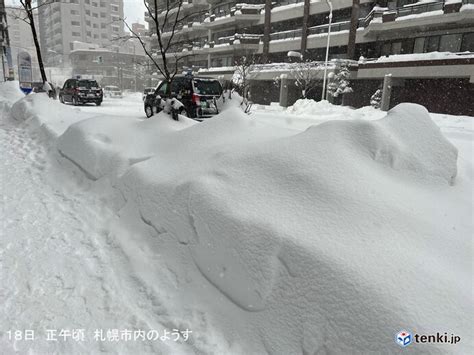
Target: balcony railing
{"type": "Point", "coordinates": [293, 34]}
{"type": "Point", "coordinates": [419, 9]}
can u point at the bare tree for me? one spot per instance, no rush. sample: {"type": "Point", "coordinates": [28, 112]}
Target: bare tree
{"type": "Point", "coordinates": [305, 74]}
{"type": "Point", "coordinates": [245, 65]}
{"type": "Point", "coordinates": [165, 20]}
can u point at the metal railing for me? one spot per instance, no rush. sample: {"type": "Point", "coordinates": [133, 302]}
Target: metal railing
{"type": "Point", "coordinates": [419, 9]}
{"type": "Point", "coordinates": [293, 34]}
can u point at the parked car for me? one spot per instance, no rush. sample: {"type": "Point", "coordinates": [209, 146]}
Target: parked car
{"type": "Point", "coordinates": [113, 91]}
{"type": "Point", "coordinates": [147, 91]}
{"type": "Point", "coordinates": [198, 97]}
{"type": "Point", "coordinates": [81, 91]}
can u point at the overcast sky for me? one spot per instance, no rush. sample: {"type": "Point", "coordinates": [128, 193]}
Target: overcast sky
{"type": "Point", "coordinates": [133, 9]}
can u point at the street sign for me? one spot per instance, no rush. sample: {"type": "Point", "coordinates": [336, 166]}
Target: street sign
{"type": "Point", "coordinates": [25, 72]}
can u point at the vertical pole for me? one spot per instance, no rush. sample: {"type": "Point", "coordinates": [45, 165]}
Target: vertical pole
{"type": "Point", "coordinates": [267, 30]}
{"type": "Point", "coordinates": [304, 30]}
{"type": "Point", "coordinates": [387, 92]}
{"type": "Point", "coordinates": [284, 90]}
{"type": "Point", "coordinates": [353, 31]}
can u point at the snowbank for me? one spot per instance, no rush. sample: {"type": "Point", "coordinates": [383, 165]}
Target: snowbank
{"type": "Point", "coordinates": [9, 93]}
{"type": "Point", "coordinates": [290, 242]}
{"type": "Point", "coordinates": [40, 111]}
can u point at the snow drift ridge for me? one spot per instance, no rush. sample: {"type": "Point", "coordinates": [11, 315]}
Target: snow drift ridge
{"type": "Point", "coordinates": [306, 234]}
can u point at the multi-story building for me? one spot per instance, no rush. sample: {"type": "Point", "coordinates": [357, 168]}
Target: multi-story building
{"type": "Point", "coordinates": [4, 41]}
{"type": "Point", "coordinates": [21, 39]}
{"type": "Point", "coordinates": [90, 21]}
{"type": "Point", "coordinates": [124, 67]}
{"type": "Point", "coordinates": [139, 29]}
{"type": "Point", "coordinates": [217, 33]}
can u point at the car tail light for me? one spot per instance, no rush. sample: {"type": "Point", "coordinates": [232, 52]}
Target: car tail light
{"type": "Point", "coordinates": [196, 99]}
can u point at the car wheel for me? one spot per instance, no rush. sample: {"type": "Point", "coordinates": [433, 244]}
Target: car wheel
{"type": "Point", "coordinates": [148, 111]}
{"type": "Point", "coordinates": [98, 103]}
{"type": "Point", "coordinates": [74, 101]}
{"type": "Point", "coordinates": [61, 99]}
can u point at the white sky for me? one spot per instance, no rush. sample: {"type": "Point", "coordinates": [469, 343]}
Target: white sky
{"type": "Point", "coordinates": [133, 9]}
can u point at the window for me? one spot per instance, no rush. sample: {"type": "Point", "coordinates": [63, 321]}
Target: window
{"type": "Point", "coordinates": [76, 34]}
{"type": "Point", "coordinates": [396, 48]}
{"type": "Point", "coordinates": [88, 12]}
{"type": "Point", "coordinates": [88, 23]}
{"type": "Point", "coordinates": [103, 25]}
{"type": "Point", "coordinates": [450, 43]}
{"type": "Point", "coordinates": [432, 44]}
{"type": "Point", "coordinates": [89, 34]}
{"type": "Point", "coordinates": [386, 48]}
{"type": "Point", "coordinates": [103, 14]}
{"type": "Point", "coordinates": [407, 46]}
{"type": "Point", "coordinates": [75, 23]}
{"type": "Point", "coordinates": [74, 12]}
{"type": "Point", "coordinates": [95, 25]}
{"type": "Point", "coordinates": [162, 89]}
{"type": "Point", "coordinates": [419, 45]}
{"type": "Point", "coordinates": [104, 35]}
{"type": "Point", "coordinates": [467, 42]}
{"type": "Point", "coordinates": [95, 15]}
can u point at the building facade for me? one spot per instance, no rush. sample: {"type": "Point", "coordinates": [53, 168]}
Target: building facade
{"type": "Point", "coordinates": [216, 34]}
{"type": "Point", "coordinates": [90, 21]}
{"type": "Point", "coordinates": [125, 67]}
{"type": "Point", "coordinates": [4, 42]}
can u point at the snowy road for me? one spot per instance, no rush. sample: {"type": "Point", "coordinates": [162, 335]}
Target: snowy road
{"type": "Point", "coordinates": [131, 105]}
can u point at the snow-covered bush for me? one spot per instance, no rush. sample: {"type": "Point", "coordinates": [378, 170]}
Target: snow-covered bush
{"type": "Point", "coordinates": [339, 82]}
{"type": "Point", "coordinates": [376, 99]}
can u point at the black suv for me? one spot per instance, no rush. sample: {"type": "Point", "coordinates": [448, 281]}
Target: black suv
{"type": "Point", "coordinates": [198, 95]}
{"type": "Point", "coordinates": [81, 91]}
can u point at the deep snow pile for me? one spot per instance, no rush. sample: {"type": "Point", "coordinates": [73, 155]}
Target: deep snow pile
{"type": "Point", "coordinates": [272, 240]}
{"type": "Point", "coordinates": [9, 93]}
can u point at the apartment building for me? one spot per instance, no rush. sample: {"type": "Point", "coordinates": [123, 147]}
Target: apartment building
{"type": "Point", "coordinates": [217, 33]}
{"type": "Point", "coordinates": [91, 21]}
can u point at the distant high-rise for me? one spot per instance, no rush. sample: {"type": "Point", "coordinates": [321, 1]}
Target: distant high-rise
{"type": "Point", "coordinates": [88, 21]}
